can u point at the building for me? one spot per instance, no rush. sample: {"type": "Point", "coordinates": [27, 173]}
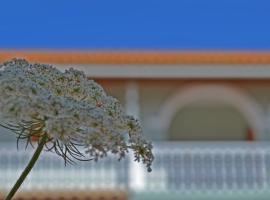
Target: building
{"type": "Point", "coordinates": [201, 110]}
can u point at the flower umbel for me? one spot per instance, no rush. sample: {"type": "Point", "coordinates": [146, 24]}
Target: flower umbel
{"type": "Point", "coordinates": [78, 119]}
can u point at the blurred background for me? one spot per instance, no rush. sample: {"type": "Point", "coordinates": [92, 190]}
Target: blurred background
{"type": "Point", "coordinates": [195, 72]}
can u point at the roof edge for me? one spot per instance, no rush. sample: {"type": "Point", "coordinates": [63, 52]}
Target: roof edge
{"type": "Point", "coordinates": [139, 57]}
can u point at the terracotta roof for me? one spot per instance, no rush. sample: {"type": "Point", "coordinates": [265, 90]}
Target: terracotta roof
{"type": "Point", "coordinates": [116, 57]}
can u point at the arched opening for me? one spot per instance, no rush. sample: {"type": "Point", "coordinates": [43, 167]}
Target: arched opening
{"type": "Point", "coordinates": [209, 122]}
{"type": "Point", "coordinates": [209, 104]}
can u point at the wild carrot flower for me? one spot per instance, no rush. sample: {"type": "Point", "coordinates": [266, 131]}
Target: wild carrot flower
{"type": "Point", "coordinates": [75, 115]}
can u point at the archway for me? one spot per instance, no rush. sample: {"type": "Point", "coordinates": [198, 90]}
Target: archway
{"type": "Point", "coordinates": [224, 94]}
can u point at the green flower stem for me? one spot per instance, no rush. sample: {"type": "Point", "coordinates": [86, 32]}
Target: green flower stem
{"type": "Point", "coordinates": [28, 168]}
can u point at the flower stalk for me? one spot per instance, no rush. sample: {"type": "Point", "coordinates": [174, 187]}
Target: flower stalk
{"type": "Point", "coordinates": [28, 168]}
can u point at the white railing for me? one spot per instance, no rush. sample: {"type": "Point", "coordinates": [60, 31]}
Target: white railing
{"type": "Point", "coordinates": [50, 172]}
{"type": "Point", "coordinates": [179, 166]}
{"type": "Point", "coordinates": [211, 166]}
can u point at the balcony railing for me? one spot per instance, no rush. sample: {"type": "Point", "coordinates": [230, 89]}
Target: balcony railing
{"type": "Point", "coordinates": [188, 167]}
{"type": "Point", "coordinates": [211, 166]}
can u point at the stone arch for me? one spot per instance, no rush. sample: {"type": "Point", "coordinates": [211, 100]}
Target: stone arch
{"type": "Point", "coordinates": [226, 94]}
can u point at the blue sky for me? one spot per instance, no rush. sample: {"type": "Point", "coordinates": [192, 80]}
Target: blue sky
{"type": "Point", "coordinates": [135, 25]}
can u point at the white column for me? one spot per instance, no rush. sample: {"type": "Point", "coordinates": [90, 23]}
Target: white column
{"type": "Point", "coordinates": [136, 170]}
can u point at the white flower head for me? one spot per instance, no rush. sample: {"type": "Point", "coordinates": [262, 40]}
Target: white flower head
{"type": "Point", "coordinates": [70, 110]}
